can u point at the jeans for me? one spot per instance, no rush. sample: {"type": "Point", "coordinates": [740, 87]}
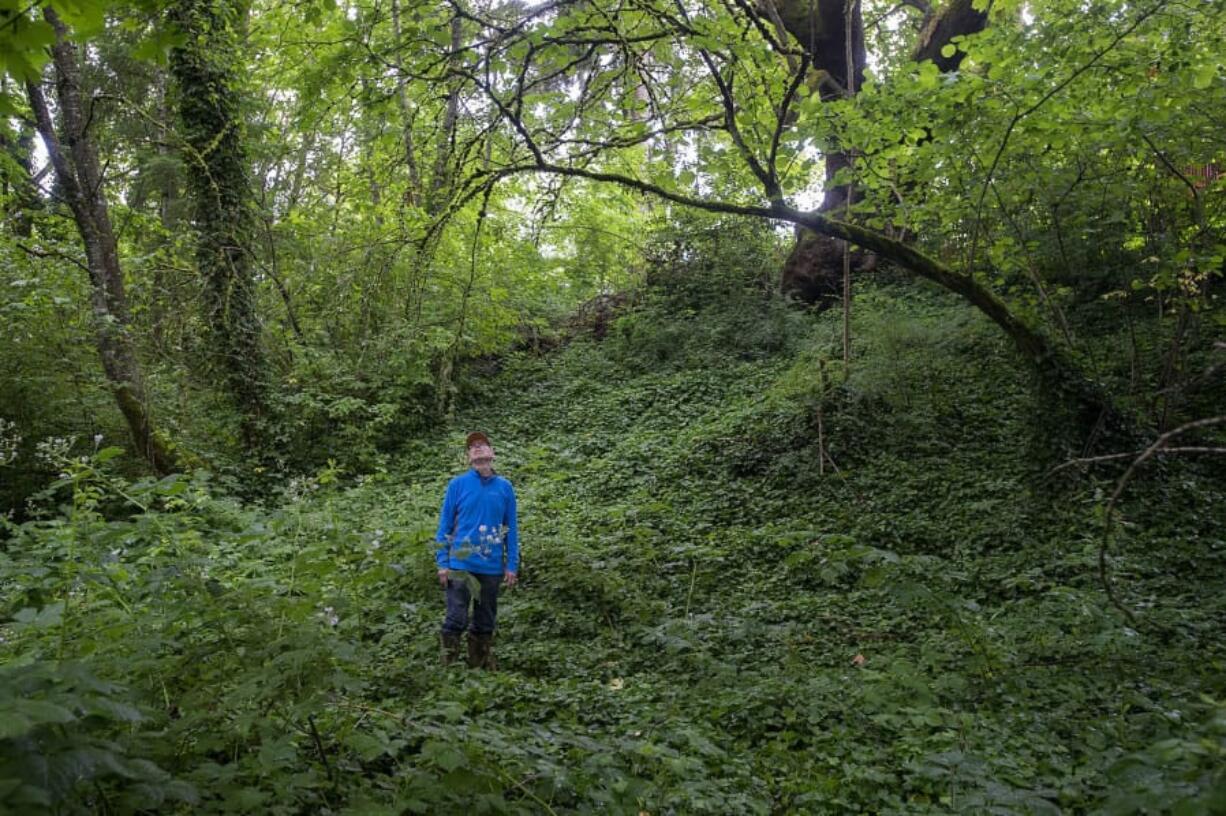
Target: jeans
{"type": "Point", "coordinates": [485, 607]}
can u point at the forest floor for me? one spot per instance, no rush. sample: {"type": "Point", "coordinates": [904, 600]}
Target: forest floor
{"type": "Point", "coordinates": [709, 620]}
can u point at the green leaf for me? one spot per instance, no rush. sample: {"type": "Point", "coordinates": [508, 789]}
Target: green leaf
{"type": "Point", "coordinates": [929, 76]}
{"type": "Point", "coordinates": [157, 48]}
{"type": "Point", "coordinates": [37, 34]}
{"type": "Point", "coordinates": [366, 746]}
{"type": "Point", "coordinates": [8, 106]}
{"type": "Point", "coordinates": [43, 711]}
{"type": "Point", "coordinates": [49, 615]}
{"type": "Point", "coordinates": [442, 754]}
{"type": "Point", "coordinates": [87, 18]}
{"type": "Point", "coordinates": [113, 710]}
{"type": "Point", "coordinates": [1204, 75]}
{"type": "Point", "coordinates": [13, 724]}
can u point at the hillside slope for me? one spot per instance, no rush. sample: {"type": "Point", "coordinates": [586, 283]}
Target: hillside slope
{"type": "Point", "coordinates": [709, 621]}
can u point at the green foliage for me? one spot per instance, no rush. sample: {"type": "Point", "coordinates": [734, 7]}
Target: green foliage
{"type": "Point", "coordinates": [1182, 774]}
{"type": "Point", "coordinates": [327, 410]}
{"type": "Point", "coordinates": [709, 293]}
{"type": "Point", "coordinates": [50, 383]}
{"type": "Point", "coordinates": [694, 598]}
{"type": "Point", "coordinates": [56, 740]}
{"type": "Point", "coordinates": [754, 581]}
{"type": "Point", "coordinates": [1065, 153]}
{"type": "Point", "coordinates": [365, 305]}
{"type": "Point", "coordinates": [24, 40]}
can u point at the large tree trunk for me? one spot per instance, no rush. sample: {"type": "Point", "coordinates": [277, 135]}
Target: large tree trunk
{"type": "Point", "coordinates": [813, 270]}
{"type": "Point", "coordinates": [822, 29]}
{"type": "Point", "coordinates": [80, 178]}
{"type": "Point", "coordinates": [205, 68]}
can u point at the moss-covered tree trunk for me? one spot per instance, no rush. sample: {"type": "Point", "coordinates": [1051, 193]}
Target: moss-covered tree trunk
{"type": "Point", "coordinates": [79, 177]}
{"type": "Point", "coordinates": [206, 69]}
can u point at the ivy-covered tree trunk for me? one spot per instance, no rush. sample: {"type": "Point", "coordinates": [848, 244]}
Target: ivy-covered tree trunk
{"type": "Point", "coordinates": [813, 270]}
{"type": "Point", "coordinates": [205, 68]}
{"type": "Point", "coordinates": [79, 176]}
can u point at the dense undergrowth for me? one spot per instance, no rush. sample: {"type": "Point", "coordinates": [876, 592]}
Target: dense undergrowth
{"type": "Point", "coordinates": [711, 618]}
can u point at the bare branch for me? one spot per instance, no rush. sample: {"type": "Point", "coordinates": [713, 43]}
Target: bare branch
{"type": "Point", "coordinates": [781, 121]}
{"type": "Point", "coordinates": [35, 252]}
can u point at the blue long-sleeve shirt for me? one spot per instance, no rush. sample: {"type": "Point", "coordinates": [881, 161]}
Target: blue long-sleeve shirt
{"type": "Point", "coordinates": [477, 521]}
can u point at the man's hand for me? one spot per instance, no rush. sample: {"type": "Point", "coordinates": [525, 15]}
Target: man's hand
{"type": "Point", "coordinates": [442, 578]}
{"type": "Point", "coordinates": [510, 578]}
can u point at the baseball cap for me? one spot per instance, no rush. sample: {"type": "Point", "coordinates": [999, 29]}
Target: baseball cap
{"type": "Point", "coordinates": [476, 438]}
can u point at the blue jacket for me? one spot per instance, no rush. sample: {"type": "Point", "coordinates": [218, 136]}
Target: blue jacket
{"type": "Point", "coordinates": [477, 519]}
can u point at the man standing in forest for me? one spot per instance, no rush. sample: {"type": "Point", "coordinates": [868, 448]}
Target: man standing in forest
{"type": "Point", "coordinates": [478, 550]}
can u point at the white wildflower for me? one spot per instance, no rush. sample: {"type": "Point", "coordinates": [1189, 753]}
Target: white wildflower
{"type": "Point", "coordinates": [54, 449]}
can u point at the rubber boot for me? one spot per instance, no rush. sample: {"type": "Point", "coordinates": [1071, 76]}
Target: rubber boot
{"type": "Point", "coordinates": [451, 647]}
{"type": "Point", "coordinates": [481, 652]}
